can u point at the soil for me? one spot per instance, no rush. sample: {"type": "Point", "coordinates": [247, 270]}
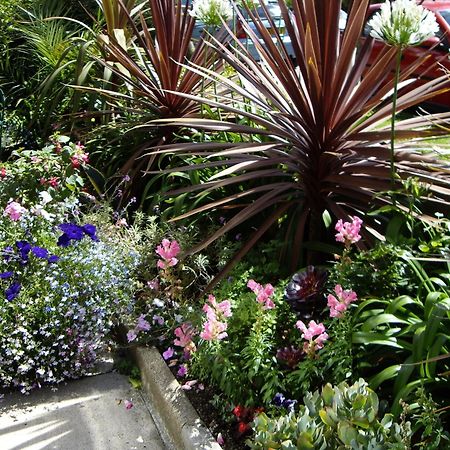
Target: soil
{"type": "Point", "coordinates": [201, 400]}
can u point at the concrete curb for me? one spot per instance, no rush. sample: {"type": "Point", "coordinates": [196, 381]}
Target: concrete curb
{"type": "Point", "coordinates": [175, 417]}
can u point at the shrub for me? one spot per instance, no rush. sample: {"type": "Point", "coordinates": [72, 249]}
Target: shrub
{"type": "Point", "coordinates": [340, 417]}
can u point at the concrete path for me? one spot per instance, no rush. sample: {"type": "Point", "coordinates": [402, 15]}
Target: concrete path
{"type": "Point", "coordinates": [85, 414]}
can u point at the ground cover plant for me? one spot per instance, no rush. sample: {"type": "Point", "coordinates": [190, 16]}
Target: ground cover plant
{"type": "Point", "coordinates": [64, 285]}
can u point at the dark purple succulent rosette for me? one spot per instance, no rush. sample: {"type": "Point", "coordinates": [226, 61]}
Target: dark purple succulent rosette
{"type": "Point", "coordinates": [74, 232]}
{"type": "Point", "coordinates": [305, 292]}
{"type": "Point", "coordinates": [290, 356]}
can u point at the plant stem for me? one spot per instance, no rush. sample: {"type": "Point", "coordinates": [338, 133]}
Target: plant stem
{"type": "Point", "coordinates": [394, 107]}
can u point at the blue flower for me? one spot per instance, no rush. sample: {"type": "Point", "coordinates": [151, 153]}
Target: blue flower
{"type": "Point", "coordinates": [290, 405]}
{"type": "Point", "coordinates": [91, 231]}
{"type": "Point", "coordinates": [279, 399]}
{"type": "Point", "coordinates": [24, 248]}
{"type": "Point", "coordinates": [6, 275]}
{"type": "Point", "coordinates": [13, 291]}
{"type": "Point", "coordinates": [40, 252]}
{"type": "Point", "coordinates": [72, 231]}
{"type": "Point", "coordinates": [52, 259]}
{"type": "Point", "coordinates": [64, 240]}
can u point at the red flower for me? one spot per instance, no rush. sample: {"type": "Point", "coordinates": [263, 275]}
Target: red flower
{"type": "Point", "coordinates": [54, 182]}
{"type": "Point", "coordinates": [239, 410]}
{"type": "Point", "coordinates": [3, 172]}
{"type": "Point", "coordinates": [243, 427]}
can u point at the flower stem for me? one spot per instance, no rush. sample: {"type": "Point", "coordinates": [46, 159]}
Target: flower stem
{"type": "Point", "coordinates": [394, 107]}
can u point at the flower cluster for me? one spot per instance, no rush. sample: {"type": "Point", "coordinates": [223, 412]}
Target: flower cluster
{"type": "Point", "coordinates": [14, 211]}
{"type": "Point", "coordinates": [184, 335]}
{"type": "Point", "coordinates": [403, 23]}
{"type": "Point", "coordinates": [74, 232]}
{"type": "Point", "coordinates": [244, 417]}
{"type": "Point", "coordinates": [167, 250]}
{"type": "Point", "coordinates": [348, 232]}
{"type": "Point", "coordinates": [55, 317]}
{"type": "Point", "coordinates": [80, 157]}
{"type": "Point", "coordinates": [212, 12]}
{"type": "Point", "coordinates": [215, 327]}
{"type": "Point", "coordinates": [314, 335]}
{"type": "Point", "coordinates": [339, 304]}
{"type": "Point", "coordinates": [141, 325]}
{"type": "Point", "coordinates": [263, 293]}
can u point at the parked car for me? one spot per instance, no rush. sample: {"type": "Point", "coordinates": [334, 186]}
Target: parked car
{"type": "Point", "coordinates": [436, 47]}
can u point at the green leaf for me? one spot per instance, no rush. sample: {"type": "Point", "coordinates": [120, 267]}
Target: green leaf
{"type": "Point", "coordinates": [386, 374]}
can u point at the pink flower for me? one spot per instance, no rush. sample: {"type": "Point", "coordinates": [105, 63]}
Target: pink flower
{"type": "Point", "coordinates": [214, 330]}
{"type": "Point", "coordinates": [168, 353]}
{"type": "Point", "coordinates": [128, 404]}
{"type": "Point", "coordinates": [142, 324]}
{"type": "Point", "coordinates": [348, 232]}
{"type": "Point", "coordinates": [184, 333]}
{"type": "Point", "coordinates": [340, 304]}
{"type": "Point", "coordinates": [154, 284]}
{"type": "Point", "coordinates": [308, 333]}
{"type": "Point", "coordinates": [3, 172]}
{"type": "Point", "coordinates": [14, 211]}
{"type": "Point", "coordinates": [168, 250]}
{"type": "Point", "coordinates": [220, 440]}
{"type": "Point", "coordinates": [182, 371]}
{"type": "Point", "coordinates": [263, 293]}
{"type": "Point", "coordinates": [131, 335]}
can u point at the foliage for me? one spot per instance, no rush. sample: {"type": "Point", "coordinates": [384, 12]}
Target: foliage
{"type": "Point", "coordinates": [339, 417]}
{"type": "Point", "coordinates": [57, 169]}
{"type": "Point", "coordinates": [325, 148]}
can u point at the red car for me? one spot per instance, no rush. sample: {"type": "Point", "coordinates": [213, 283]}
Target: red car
{"type": "Point", "coordinates": [438, 47]}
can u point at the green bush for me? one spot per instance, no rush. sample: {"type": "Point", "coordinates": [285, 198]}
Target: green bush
{"type": "Point", "coordinates": [340, 417]}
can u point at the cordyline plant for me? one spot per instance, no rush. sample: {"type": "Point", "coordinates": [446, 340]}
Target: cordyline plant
{"type": "Point", "coordinates": [325, 149]}
{"type": "Point", "coordinates": [148, 61]}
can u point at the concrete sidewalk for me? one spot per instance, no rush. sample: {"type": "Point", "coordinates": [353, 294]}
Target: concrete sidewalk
{"type": "Point", "coordinates": [85, 414]}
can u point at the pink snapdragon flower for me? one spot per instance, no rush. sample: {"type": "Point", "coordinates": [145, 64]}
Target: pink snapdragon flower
{"type": "Point", "coordinates": [348, 232]}
{"type": "Point", "coordinates": [14, 211]}
{"type": "Point", "coordinates": [309, 334]}
{"type": "Point", "coordinates": [263, 293]}
{"type": "Point", "coordinates": [214, 330]}
{"type": "Point", "coordinates": [215, 325]}
{"type": "Point", "coordinates": [167, 250]}
{"type": "Point", "coordinates": [184, 334]}
{"type": "Point", "coordinates": [340, 304]}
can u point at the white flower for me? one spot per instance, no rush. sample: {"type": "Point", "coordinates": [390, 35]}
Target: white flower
{"type": "Point", "coordinates": [403, 23]}
{"type": "Point", "coordinates": [45, 197]}
{"type": "Point", "coordinates": [210, 12]}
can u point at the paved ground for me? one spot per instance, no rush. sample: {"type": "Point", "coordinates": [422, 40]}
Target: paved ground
{"type": "Point", "coordinates": [85, 414]}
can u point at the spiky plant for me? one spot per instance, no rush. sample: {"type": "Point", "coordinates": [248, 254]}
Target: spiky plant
{"type": "Point", "coordinates": [326, 146]}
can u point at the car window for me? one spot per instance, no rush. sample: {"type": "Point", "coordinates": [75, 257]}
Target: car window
{"type": "Point", "coordinates": [445, 38]}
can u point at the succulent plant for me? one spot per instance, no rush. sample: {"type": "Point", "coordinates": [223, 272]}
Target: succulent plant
{"type": "Point", "coordinates": [305, 292]}
{"type": "Point", "coordinates": [290, 356]}
{"type": "Point", "coordinates": [340, 417]}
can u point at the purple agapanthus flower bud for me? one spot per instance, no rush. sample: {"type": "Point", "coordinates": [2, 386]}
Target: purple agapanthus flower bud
{"type": "Point", "coordinates": [279, 399]}
{"type": "Point", "coordinates": [4, 275]}
{"type": "Point", "coordinates": [13, 291]}
{"type": "Point", "coordinates": [40, 252]}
